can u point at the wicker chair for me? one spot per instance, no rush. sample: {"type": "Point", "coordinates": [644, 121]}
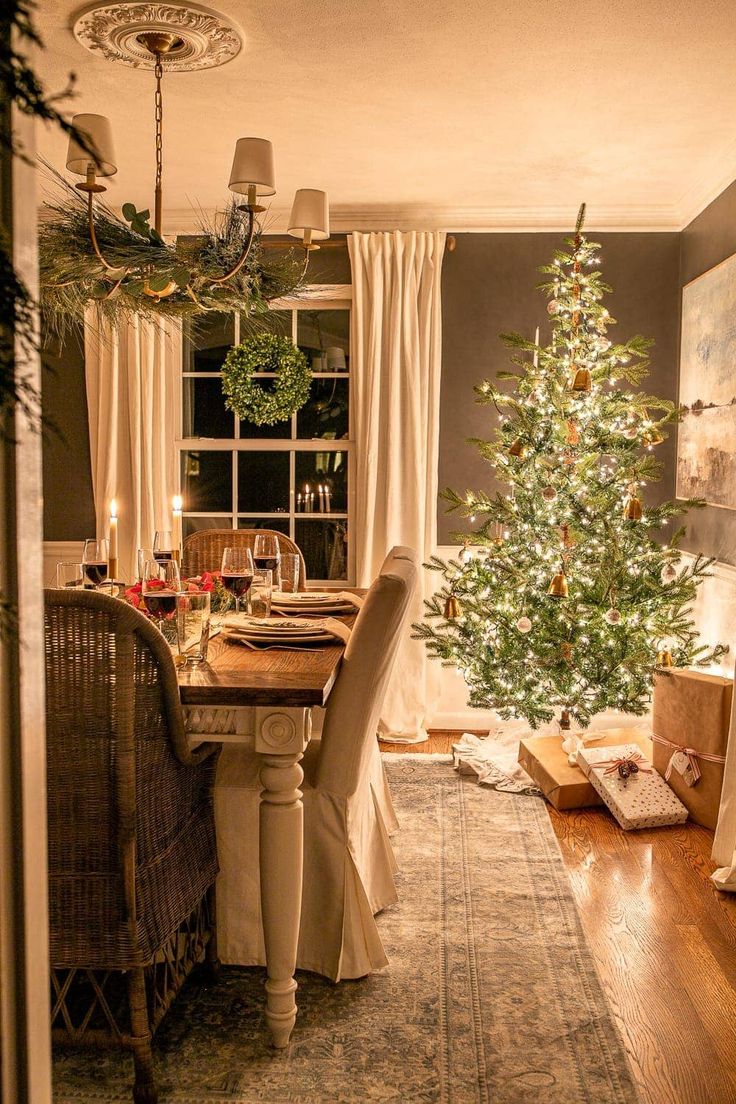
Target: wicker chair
{"type": "Point", "coordinates": [132, 855]}
{"type": "Point", "coordinates": [203, 549]}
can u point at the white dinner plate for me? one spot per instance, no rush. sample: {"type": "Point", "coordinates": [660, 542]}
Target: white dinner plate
{"type": "Point", "coordinates": [263, 638]}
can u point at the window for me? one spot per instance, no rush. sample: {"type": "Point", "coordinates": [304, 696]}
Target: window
{"type": "Point", "coordinates": [295, 476]}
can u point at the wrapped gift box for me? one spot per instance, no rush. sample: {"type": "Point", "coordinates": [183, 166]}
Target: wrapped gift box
{"type": "Point", "coordinates": [691, 710]}
{"type": "Point", "coordinates": [564, 785]}
{"type": "Point", "coordinates": [644, 800]}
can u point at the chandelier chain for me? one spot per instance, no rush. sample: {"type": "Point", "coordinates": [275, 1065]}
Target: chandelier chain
{"type": "Point", "coordinates": [159, 114]}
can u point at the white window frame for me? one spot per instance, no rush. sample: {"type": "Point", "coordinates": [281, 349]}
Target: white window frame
{"type": "Point", "coordinates": [315, 297]}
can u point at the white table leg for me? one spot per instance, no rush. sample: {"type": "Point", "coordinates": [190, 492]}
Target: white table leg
{"type": "Point", "coordinates": [281, 737]}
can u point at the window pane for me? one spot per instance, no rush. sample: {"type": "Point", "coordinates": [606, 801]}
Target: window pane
{"type": "Point", "coordinates": [194, 524]}
{"type": "Point", "coordinates": [204, 413]}
{"type": "Point", "coordinates": [206, 481]}
{"type": "Point", "coordinates": [324, 547]}
{"type": "Point", "coordinates": [263, 482]}
{"type": "Point", "coordinates": [281, 525]}
{"type": "Point", "coordinates": [280, 431]}
{"type": "Point", "coordinates": [324, 337]}
{"type": "Point", "coordinates": [328, 470]}
{"type": "Point", "coordinates": [325, 413]}
{"type": "Point", "coordinates": [276, 321]}
{"type": "Point", "coordinates": [207, 341]}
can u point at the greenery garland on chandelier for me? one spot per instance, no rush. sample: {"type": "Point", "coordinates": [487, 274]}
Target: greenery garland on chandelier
{"type": "Point", "coordinates": [566, 603]}
{"type": "Point", "coordinates": [145, 275]}
{"type": "Point", "coordinates": [247, 398]}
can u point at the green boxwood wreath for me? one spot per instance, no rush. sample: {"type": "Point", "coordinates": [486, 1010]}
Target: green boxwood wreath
{"type": "Point", "coordinates": [277, 401]}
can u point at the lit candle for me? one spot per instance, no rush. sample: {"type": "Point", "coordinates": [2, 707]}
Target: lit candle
{"type": "Point", "coordinates": [299, 502]}
{"type": "Point", "coordinates": [321, 499]}
{"type": "Point", "coordinates": [327, 498]}
{"type": "Point", "coordinates": [308, 496]}
{"type": "Point", "coordinates": [176, 527]}
{"type": "Point", "coordinates": [113, 565]}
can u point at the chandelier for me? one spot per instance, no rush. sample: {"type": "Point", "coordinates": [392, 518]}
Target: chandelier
{"type": "Point", "coordinates": [171, 37]}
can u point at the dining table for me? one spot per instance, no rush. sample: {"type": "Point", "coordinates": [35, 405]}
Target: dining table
{"type": "Point", "coordinates": [264, 698]}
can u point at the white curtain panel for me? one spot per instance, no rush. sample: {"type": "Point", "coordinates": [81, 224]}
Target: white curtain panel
{"type": "Point", "coordinates": [132, 374]}
{"type": "Point", "coordinates": [724, 842]}
{"type": "Point", "coordinates": [396, 353]}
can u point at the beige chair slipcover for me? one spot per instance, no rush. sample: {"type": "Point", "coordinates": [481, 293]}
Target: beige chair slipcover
{"type": "Point", "coordinates": [349, 864]}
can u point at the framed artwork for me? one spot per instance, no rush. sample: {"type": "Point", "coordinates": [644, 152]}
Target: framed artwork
{"type": "Point", "coordinates": [706, 439]}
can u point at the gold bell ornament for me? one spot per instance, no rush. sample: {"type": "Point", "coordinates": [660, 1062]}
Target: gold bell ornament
{"type": "Point", "coordinates": [452, 608]}
{"type": "Point", "coordinates": [558, 588]}
{"type": "Point", "coordinates": [664, 659]}
{"type": "Point", "coordinates": [518, 449]}
{"type": "Point", "coordinates": [582, 382]}
{"type": "Point", "coordinates": [632, 505]}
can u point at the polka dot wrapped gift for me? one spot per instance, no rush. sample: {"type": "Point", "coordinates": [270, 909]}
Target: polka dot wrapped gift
{"type": "Point", "coordinates": [637, 796]}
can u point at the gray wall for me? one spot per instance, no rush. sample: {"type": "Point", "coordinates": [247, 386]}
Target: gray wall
{"type": "Point", "coordinates": [68, 507]}
{"type": "Point", "coordinates": [489, 285]}
{"type": "Point", "coordinates": [707, 241]}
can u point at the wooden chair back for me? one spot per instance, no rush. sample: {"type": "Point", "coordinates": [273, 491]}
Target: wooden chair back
{"type": "Point", "coordinates": [203, 550]}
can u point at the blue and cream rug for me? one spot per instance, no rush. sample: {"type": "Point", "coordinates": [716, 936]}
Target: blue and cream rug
{"type": "Point", "coordinates": [491, 996]}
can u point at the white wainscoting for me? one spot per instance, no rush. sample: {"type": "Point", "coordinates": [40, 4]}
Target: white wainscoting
{"type": "Point", "coordinates": [55, 552]}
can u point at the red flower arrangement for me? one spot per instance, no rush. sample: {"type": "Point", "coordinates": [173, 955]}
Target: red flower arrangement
{"type": "Point", "coordinates": [206, 583]}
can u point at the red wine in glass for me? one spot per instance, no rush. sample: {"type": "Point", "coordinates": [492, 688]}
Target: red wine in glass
{"type": "Point", "coordinates": [237, 585]}
{"type": "Point", "coordinates": [96, 572]}
{"type": "Point", "coordinates": [267, 563]}
{"type": "Point", "coordinates": [161, 603]}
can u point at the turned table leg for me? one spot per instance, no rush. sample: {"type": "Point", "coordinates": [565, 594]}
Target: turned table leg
{"type": "Point", "coordinates": [280, 741]}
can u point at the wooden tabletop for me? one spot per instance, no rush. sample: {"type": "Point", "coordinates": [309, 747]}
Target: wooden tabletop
{"type": "Point", "coordinates": [235, 675]}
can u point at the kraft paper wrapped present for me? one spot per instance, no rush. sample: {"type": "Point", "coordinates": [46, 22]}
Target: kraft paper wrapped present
{"type": "Point", "coordinates": [643, 800]}
{"type": "Point", "coordinates": [563, 784]}
{"type": "Point", "coordinates": [690, 720]}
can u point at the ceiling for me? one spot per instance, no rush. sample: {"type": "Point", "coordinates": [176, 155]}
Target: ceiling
{"type": "Point", "coordinates": [471, 115]}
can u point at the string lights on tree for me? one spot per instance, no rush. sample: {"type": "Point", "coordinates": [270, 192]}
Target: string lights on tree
{"type": "Point", "coordinates": [579, 604]}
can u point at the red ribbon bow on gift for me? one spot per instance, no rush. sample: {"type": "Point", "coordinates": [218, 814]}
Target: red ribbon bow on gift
{"type": "Point", "coordinates": [692, 757]}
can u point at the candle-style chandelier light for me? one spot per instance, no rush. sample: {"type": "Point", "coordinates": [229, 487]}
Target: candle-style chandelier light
{"type": "Point", "coordinates": [171, 37]}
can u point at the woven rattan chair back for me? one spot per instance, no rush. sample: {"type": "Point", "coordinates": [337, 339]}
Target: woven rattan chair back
{"type": "Point", "coordinates": [131, 835]}
{"type": "Point", "coordinates": [203, 549]}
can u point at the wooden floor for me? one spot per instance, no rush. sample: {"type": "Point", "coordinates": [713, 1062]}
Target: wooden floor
{"type": "Point", "coordinates": [664, 942]}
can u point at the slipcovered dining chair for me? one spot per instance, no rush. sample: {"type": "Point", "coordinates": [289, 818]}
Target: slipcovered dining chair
{"type": "Point", "coordinates": [131, 832]}
{"type": "Point", "coordinates": [203, 550]}
{"type": "Point", "coordinates": [349, 864]}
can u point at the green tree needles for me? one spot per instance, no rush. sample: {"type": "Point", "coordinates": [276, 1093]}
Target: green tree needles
{"type": "Point", "coordinates": [567, 601]}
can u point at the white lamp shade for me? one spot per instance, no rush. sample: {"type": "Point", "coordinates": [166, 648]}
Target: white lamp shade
{"type": "Point", "coordinates": [253, 165]}
{"type": "Point", "coordinates": [335, 359]}
{"type": "Point", "coordinates": [311, 211]}
{"type": "Point", "coordinates": [100, 152]}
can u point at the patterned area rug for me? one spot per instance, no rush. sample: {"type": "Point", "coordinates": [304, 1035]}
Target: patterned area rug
{"type": "Point", "coordinates": [491, 996]}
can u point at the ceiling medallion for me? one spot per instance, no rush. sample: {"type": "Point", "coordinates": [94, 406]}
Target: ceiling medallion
{"type": "Point", "coordinates": [199, 37]}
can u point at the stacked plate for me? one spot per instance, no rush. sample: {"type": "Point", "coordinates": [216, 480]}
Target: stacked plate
{"type": "Point", "coordinates": [318, 603]}
{"type": "Point", "coordinates": [275, 630]}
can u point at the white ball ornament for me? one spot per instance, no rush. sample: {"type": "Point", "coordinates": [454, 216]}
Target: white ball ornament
{"type": "Point", "coordinates": [549, 494]}
{"type": "Point", "coordinates": [524, 625]}
{"type": "Point", "coordinates": [668, 573]}
{"type": "Point", "coordinates": [552, 306]}
{"type": "Point", "coordinates": [612, 616]}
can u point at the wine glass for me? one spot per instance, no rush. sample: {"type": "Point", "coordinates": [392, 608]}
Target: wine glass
{"type": "Point", "coordinates": [160, 587]}
{"type": "Point", "coordinates": [70, 575]}
{"type": "Point", "coordinates": [237, 572]}
{"type": "Point", "coordinates": [95, 559]}
{"type": "Point", "coordinates": [267, 554]}
{"type": "Point", "coordinates": [142, 556]}
{"type": "Point", "coordinates": [163, 545]}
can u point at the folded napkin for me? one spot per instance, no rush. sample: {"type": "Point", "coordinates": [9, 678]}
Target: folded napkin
{"type": "Point", "coordinates": [299, 603]}
{"type": "Point", "coordinates": [332, 625]}
{"type": "Point", "coordinates": [232, 626]}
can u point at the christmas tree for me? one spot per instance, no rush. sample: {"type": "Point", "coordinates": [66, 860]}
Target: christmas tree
{"type": "Point", "coordinates": [567, 603]}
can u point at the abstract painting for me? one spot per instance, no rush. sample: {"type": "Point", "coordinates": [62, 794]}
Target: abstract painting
{"type": "Point", "coordinates": [706, 441]}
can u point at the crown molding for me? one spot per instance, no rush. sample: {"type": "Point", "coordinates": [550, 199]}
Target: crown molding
{"type": "Point", "coordinates": [460, 220]}
{"type": "Point", "coordinates": [721, 172]}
